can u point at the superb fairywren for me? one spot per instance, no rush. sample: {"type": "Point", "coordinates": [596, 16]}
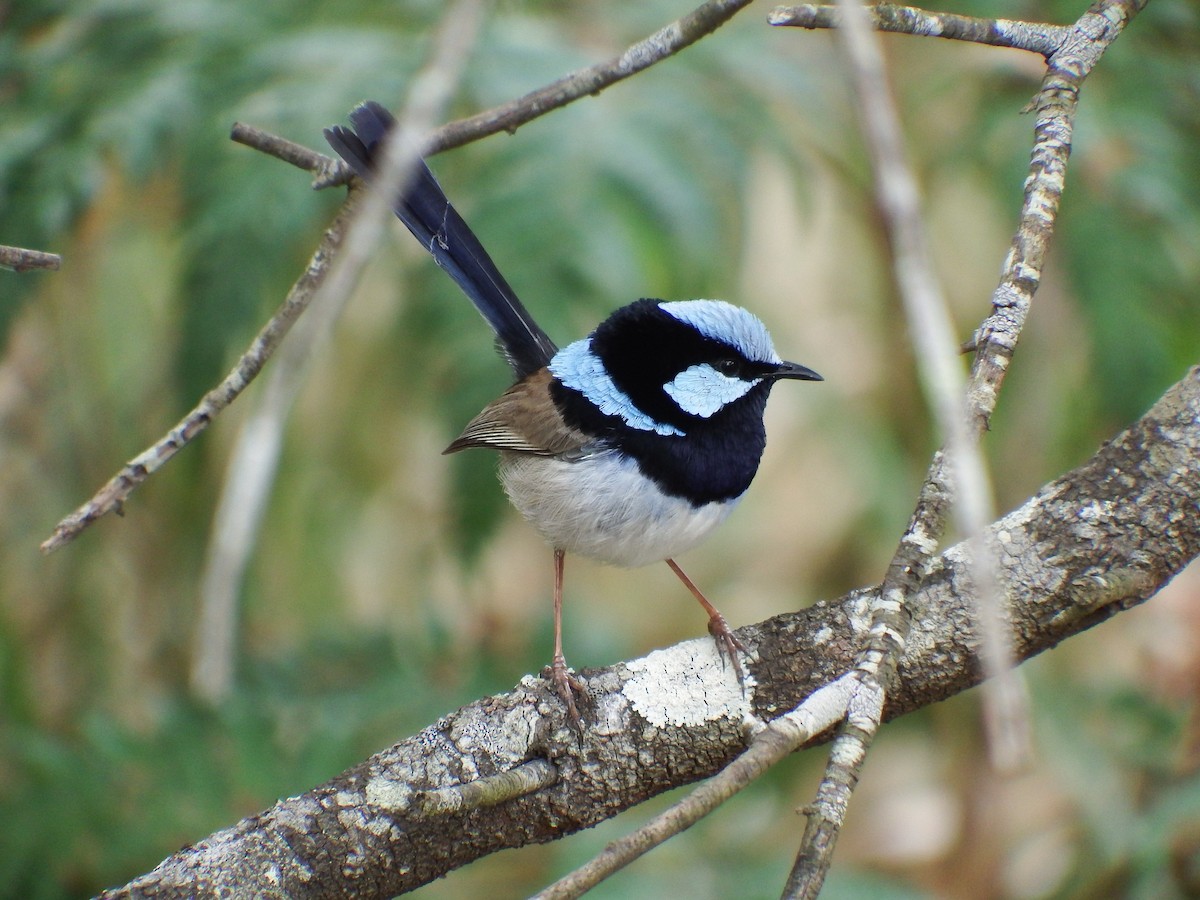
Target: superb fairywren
{"type": "Point", "coordinates": [629, 446]}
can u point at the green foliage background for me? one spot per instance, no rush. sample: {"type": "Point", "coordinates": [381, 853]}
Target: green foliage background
{"type": "Point", "coordinates": [391, 584]}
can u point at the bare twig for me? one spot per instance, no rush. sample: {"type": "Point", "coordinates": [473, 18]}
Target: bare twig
{"type": "Point", "coordinates": [490, 790]}
{"type": "Point", "coordinates": [822, 709]}
{"type": "Point", "coordinates": [111, 497]}
{"type": "Point", "coordinates": [281, 148]}
{"type": "Point", "coordinates": [252, 465]}
{"type": "Point", "coordinates": [931, 330]}
{"type": "Point", "coordinates": [664, 43]}
{"type": "Point", "coordinates": [18, 259]}
{"type": "Point", "coordinates": [1036, 37]}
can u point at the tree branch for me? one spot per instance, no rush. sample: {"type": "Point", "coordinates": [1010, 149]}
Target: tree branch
{"type": "Point", "coordinates": [111, 497]}
{"type": "Point", "coordinates": [663, 44]}
{"type": "Point", "coordinates": [677, 715]}
{"type": "Point", "coordinates": [18, 259]}
{"type": "Point", "coordinates": [252, 464]}
{"type": "Point", "coordinates": [1036, 37]}
{"type": "Point", "coordinates": [931, 331]}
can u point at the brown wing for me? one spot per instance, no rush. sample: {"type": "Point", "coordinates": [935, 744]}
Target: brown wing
{"type": "Point", "coordinates": [523, 419]}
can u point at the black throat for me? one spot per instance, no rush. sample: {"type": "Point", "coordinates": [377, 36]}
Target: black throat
{"type": "Point", "coordinates": [715, 460]}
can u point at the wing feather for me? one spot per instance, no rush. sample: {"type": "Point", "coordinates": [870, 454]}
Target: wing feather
{"type": "Point", "coordinates": [524, 419]}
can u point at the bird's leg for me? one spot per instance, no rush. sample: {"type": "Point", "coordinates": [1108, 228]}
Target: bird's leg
{"type": "Point", "coordinates": [565, 683]}
{"type": "Point", "coordinates": [727, 643]}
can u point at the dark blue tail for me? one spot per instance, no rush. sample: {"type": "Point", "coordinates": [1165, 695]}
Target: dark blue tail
{"type": "Point", "coordinates": [424, 209]}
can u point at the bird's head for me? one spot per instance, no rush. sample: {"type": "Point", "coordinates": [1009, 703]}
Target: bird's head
{"type": "Point", "coordinates": [668, 367]}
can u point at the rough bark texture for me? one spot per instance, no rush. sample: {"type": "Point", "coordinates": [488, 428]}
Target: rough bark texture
{"type": "Point", "coordinates": [1100, 539]}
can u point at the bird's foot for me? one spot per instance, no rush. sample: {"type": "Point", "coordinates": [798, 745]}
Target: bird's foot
{"type": "Point", "coordinates": [567, 686]}
{"type": "Point", "coordinates": [728, 645]}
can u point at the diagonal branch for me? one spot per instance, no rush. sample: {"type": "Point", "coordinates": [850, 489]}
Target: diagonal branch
{"type": "Point", "coordinates": [18, 259]}
{"type": "Point", "coordinates": [1037, 37]}
{"type": "Point", "coordinates": [252, 464]}
{"type": "Point", "coordinates": [111, 497]}
{"type": "Point", "coordinates": [395, 821]}
{"type": "Point", "coordinates": [663, 44]}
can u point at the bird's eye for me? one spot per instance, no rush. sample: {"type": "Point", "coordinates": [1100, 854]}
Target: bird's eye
{"type": "Point", "coordinates": [728, 366]}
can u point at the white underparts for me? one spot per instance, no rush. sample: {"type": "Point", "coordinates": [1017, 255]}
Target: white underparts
{"type": "Point", "coordinates": [604, 508]}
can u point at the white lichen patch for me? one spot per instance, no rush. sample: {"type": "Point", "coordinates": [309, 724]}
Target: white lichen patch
{"type": "Point", "coordinates": [858, 612]}
{"type": "Point", "coordinates": [1096, 511]}
{"type": "Point", "coordinates": [922, 540]}
{"type": "Point", "coordinates": [387, 793]}
{"type": "Point", "coordinates": [688, 684]}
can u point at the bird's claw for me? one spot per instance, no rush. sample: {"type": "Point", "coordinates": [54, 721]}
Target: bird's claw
{"type": "Point", "coordinates": [567, 686]}
{"type": "Point", "coordinates": [728, 645]}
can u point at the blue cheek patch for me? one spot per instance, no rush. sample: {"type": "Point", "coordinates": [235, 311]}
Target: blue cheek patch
{"type": "Point", "coordinates": [701, 390]}
{"type": "Point", "coordinates": [577, 367]}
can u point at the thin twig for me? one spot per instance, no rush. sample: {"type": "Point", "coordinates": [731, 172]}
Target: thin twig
{"type": "Point", "coordinates": [1036, 37]}
{"type": "Point", "coordinates": [111, 497]}
{"type": "Point", "coordinates": [252, 465]}
{"type": "Point", "coordinates": [822, 709]}
{"type": "Point", "coordinates": [664, 43]}
{"type": "Point", "coordinates": [18, 259]}
{"type": "Point", "coordinates": [937, 348]}
{"type": "Point", "coordinates": [327, 171]}
{"type": "Point", "coordinates": [489, 790]}
{"type": "Point", "coordinates": [937, 363]}
{"type": "Point", "coordinates": [281, 148]}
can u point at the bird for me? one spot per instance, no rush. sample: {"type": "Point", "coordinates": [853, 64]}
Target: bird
{"type": "Point", "coordinates": [628, 446]}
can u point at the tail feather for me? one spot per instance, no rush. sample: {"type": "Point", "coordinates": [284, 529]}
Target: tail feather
{"type": "Point", "coordinates": [426, 212]}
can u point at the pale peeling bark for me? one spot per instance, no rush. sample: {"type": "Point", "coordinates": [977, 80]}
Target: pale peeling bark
{"type": "Point", "coordinates": [1100, 539]}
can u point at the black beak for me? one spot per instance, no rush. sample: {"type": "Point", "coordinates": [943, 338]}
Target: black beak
{"type": "Point", "coordinates": [796, 371]}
